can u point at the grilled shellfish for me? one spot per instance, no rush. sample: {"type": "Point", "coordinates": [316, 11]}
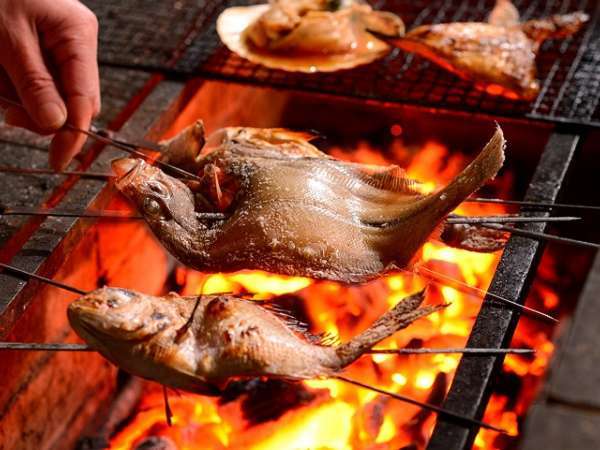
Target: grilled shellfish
{"type": "Point", "coordinates": [308, 35]}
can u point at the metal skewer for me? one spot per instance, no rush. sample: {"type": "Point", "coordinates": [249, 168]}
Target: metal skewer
{"type": "Point", "coordinates": [54, 212]}
{"type": "Point", "coordinates": [66, 347]}
{"type": "Point", "coordinates": [543, 236]}
{"type": "Point", "coordinates": [423, 405]}
{"type": "Point", "coordinates": [50, 347]}
{"type": "Point", "coordinates": [468, 289]}
{"type": "Point", "coordinates": [25, 275]}
{"type": "Point", "coordinates": [531, 204]}
{"type": "Point", "coordinates": [105, 138]}
{"type": "Point", "coordinates": [131, 149]}
{"type": "Point", "coordinates": [507, 219]}
{"type": "Point", "coordinates": [76, 173]}
{"type": "Point", "coordinates": [436, 351]}
{"type": "Point", "coordinates": [23, 211]}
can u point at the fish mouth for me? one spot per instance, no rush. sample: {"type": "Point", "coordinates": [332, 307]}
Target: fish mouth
{"type": "Point", "coordinates": [126, 169]}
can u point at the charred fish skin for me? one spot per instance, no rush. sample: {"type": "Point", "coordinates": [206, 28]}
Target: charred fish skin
{"type": "Point", "coordinates": [500, 53]}
{"type": "Point", "coordinates": [299, 212]}
{"type": "Point", "coordinates": [227, 338]}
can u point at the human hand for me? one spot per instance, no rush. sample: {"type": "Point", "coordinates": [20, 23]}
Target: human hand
{"type": "Point", "coordinates": [48, 59]}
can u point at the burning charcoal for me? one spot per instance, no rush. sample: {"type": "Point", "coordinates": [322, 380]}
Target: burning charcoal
{"type": "Point", "coordinates": [270, 399]}
{"type": "Point", "coordinates": [436, 397]}
{"type": "Point", "coordinates": [294, 210]}
{"type": "Point", "coordinates": [156, 443]}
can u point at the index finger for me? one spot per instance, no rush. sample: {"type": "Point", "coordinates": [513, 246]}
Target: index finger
{"type": "Point", "coordinates": [74, 53]}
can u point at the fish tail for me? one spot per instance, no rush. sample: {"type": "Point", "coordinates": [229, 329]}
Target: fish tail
{"type": "Point", "coordinates": [425, 218]}
{"type": "Point", "coordinates": [482, 169]}
{"type": "Point", "coordinates": [399, 317]}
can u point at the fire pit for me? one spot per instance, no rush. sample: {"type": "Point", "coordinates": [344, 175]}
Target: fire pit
{"type": "Point", "coordinates": [358, 123]}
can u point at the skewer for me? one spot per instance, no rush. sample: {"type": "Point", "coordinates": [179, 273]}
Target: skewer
{"type": "Point", "coordinates": [23, 211]}
{"type": "Point", "coordinates": [23, 274]}
{"type": "Point", "coordinates": [464, 287]}
{"type": "Point", "coordinates": [49, 347]}
{"type": "Point", "coordinates": [104, 137]}
{"type": "Point", "coordinates": [102, 176]}
{"type": "Point", "coordinates": [447, 351]}
{"type": "Point", "coordinates": [543, 236]}
{"type": "Point", "coordinates": [54, 212]}
{"type": "Point", "coordinates": [66, 347]}
{"type": "Point", "coordinates": [131, 150]}
{"type": "Point", "coordinates": [76, 173]}
{"type": "Point", "coordinates": [423, 405]}
{"type": "Point", "coordinates": [507, 219]}
{"type": "Point", "coordinates": [531, 204]}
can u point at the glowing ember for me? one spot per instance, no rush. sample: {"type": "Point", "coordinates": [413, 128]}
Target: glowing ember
{"type": "Point", "coordinates": [329, 414]}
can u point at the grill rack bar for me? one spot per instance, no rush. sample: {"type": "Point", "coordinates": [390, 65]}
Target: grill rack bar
{"type": "Point", "coordinates": [494, 327]}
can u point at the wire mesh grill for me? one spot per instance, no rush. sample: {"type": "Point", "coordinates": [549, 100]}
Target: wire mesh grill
{"type": "Point", "coordinates": [181, 36]}
{"type": "Point", "coordinates": [142, 33]}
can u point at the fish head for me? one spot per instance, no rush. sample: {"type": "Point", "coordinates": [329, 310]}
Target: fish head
{"type": "Point", "coordinates": [165, 202]}
{"type": "Point", "coordinates": [114, 316]}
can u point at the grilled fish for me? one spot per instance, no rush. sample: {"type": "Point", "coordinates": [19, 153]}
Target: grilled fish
{"type": "Point", "coordinates": [199, 343]}
{"type": "Point", "coordinates": [294, 210]}
{"type": "Point", "coordinates": [308, 35]}
{"type": "Point", "coordinates": [499, 56]}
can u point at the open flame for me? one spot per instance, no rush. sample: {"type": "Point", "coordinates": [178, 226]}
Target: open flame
{"type": "Point", "coordinates": [328, 414]}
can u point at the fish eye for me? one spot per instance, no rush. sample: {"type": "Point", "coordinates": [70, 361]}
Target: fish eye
{"type": "Point", "coordinates": [151, 206]}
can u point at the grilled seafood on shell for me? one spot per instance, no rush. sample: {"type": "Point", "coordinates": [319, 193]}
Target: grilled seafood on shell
{"type": "Point", "coordinates": [498, 55]}
{"type": "Point", "coordinates": [292, 209]}
{"type": "Point", "coordinates": [198, 344]}
{"type": "Point", "coordinates": [308, 35]}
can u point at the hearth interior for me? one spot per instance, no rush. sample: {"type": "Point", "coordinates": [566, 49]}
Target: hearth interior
{"type": "Point", "coordinates": [271, 414]}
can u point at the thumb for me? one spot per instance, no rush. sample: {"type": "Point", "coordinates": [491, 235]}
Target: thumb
{"type": "Point", "coordinates": [34, 84]}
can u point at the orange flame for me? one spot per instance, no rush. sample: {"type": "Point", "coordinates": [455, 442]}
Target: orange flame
{"type": "Point", "coordinates": [343, 416]}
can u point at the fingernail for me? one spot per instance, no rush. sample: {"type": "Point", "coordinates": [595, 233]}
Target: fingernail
{"type": "Point", "coordinates": [51, 115]}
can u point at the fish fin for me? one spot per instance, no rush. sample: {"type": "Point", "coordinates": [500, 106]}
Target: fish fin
{"type": "Point", "coordinates": [554, 27]}
{"type": "Point", "coordinates": [392, 178]}
{"type": "Point", "coordinates": [281, 141]}
{"type": "Point", "coordinates": [402, 315]}
{"type": "Point", "coordinates": [504, 14]}
{"type": "Point", "coordinates": [481, 170]}
{"type": "Point", "coordinates": [298, 326]}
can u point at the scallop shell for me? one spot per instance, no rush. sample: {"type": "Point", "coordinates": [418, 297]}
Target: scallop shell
{"type": "Point", "coordinates": [233, 21]}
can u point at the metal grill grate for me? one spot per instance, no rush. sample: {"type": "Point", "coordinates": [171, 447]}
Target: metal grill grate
{"type": "Point", "coordinates": [142, 33]}
{"type": "Point", "coordinates": [180, 36]}
{"type": "Point", "coordinates": [568, 69]}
